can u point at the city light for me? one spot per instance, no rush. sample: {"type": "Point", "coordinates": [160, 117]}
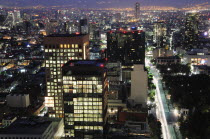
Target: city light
{"type": "Point", "coordinates": [93, 71]}
{"type": "Point", "coordinates": [205, 33]}
{"type": "Point", "coordinates": [176, 112]}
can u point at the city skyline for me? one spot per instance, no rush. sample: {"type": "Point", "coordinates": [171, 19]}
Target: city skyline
{"type": "Point", "coordinates": [93, 69]}
{"type": "Point", "coordinates": [102, 3]}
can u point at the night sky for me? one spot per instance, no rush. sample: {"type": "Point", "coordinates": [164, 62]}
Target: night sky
{"type": "Point", "coordinates": [102, 3]}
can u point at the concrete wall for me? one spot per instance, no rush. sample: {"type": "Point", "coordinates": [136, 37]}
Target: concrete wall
{"type": "Point", "coordinates": [139, 84]}
{"type": "Point", "coordinates": [161, 52]}
{"type": "Point", "coordinates": [18, 100]}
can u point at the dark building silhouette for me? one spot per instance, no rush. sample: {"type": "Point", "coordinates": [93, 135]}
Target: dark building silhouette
{"type": "Point", "coordinates": [191, 31]}
{"type": "Point", "coordinates": [83, 26]}
{"type": "Point", "coordinates": [127, 47]}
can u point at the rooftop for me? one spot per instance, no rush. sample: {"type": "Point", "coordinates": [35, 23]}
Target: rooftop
{"type": "Point", "coordinates": [27, 126]}
{"type": "Point", "coordinates": [198, 52]}
{"type": "Point", "coordinates": [84, 67]}
{"type": "Point", "coordinates": [66, 35]}
{"type": "Point", "coordinates": [169, 57]}
{"type": "Point", "coordinates": [9, 117]}
{"type": "Point", "coordinates": [126, 31]}
{"type": "Point", "coordinates": [133, 116]}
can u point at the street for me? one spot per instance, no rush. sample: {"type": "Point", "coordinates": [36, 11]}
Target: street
{"type": "Point", "coordinates": [162, 111]}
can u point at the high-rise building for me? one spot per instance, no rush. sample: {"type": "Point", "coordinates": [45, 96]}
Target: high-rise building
{"type": "Point", "coordinates": [137, 10]}
{"type": "Point", "coordinates": [17, 17]}
{"type": "Point", "coordinates": [127, 47]}
{"type": "Point", "coordinates": [52, 27]}
{"type": "Point", "coordinates": [160, 32]}
{"type": "Point", "coordinates": [85, 98]}
{"type": "Point", "coordinates": [59, 49]}
{"type": "Point", "coordinates": [83, 27]}
{"type": "Point", "coordinates": [73, 27]}
{"type": "Point", "coordinates": [191, 30]}
{"type": "Point", "coordinates": [94, 31]}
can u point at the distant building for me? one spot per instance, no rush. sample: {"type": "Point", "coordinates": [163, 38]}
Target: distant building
{"type": "Point", "coordinates": [85, 98]}
{"type": "Point", "coordinates": [197, 57]}
{"type": "Point", "coordinates": [137, 10]}
{"type": "Point", "coordinates": [160, 32]}
{"type": "Point", "coordinates": [51, 27]}
{"type": "Point", "coordinates": [168, 60]}
{"type": "Point", "coordinates": [33, 128]}
{"type": "Point", "coordinates": [17, 17]}
{"type": "Point", "coordinates": [139, 85]}
{"type": "Point", "coordinates": [94, 31]}
{"type": "Point", "coordinates": [83, 26]}
{"type": "Point", "coordinates": [201, 69]}
{"type": "Point", "coordinates": [59, 49]}
{"type": "Point", "coordinates": [191, 30]}
{"type": "Point", "coordinates": [18, 100]}
{"type": "Point", "coordinates": [118, 17]}
{"type": "Point", "coordinates": [162, 52]}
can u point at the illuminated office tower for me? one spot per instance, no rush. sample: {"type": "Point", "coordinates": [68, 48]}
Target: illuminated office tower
{"type": "Point", "coordinates": [191, 30]}
{"type": "Point", "coordinates": [137, 10]}
{"type": "Point", "coordinates": [94, 31]}
{"type": "Point", "coordinates": [59, 49]}
{"type": "Point", "coordinates": [160, 32]}
{"type": "Point", "coordinates": [85, 98]}
{"type": "Point", "coordinates": [17, 17]}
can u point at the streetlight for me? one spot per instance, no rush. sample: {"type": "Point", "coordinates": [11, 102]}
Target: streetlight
{"type": "Point", "coordinates": [176, 112]}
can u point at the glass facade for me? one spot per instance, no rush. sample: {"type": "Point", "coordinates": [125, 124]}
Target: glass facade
{"type": "Point", "coordinates": [84, 104]}
{"type": "Point", "coordinates": [127, 47]}
{"type": "Point", "coordinates": [56, 55]}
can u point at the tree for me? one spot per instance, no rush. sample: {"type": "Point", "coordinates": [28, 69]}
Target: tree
{"type": "Point", "coordinates": [155, 127]}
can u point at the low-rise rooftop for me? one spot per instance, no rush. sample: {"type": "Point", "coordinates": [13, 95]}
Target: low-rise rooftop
{"type": "Point", "coordinates": [27, 126]}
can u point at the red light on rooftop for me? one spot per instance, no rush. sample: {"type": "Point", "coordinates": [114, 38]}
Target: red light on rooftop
{"type": "Point", "coordinates": [106, 59]}
{"type": "Point", "coordinates": [102, 65]}
{"type": "Point", "coordinates": [71, 64]}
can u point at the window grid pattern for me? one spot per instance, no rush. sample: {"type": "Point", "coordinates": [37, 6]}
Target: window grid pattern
{"type": "Point", "coordinates": [86, 113]}
{"type": "Point", "coordinates": [55, 57]}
